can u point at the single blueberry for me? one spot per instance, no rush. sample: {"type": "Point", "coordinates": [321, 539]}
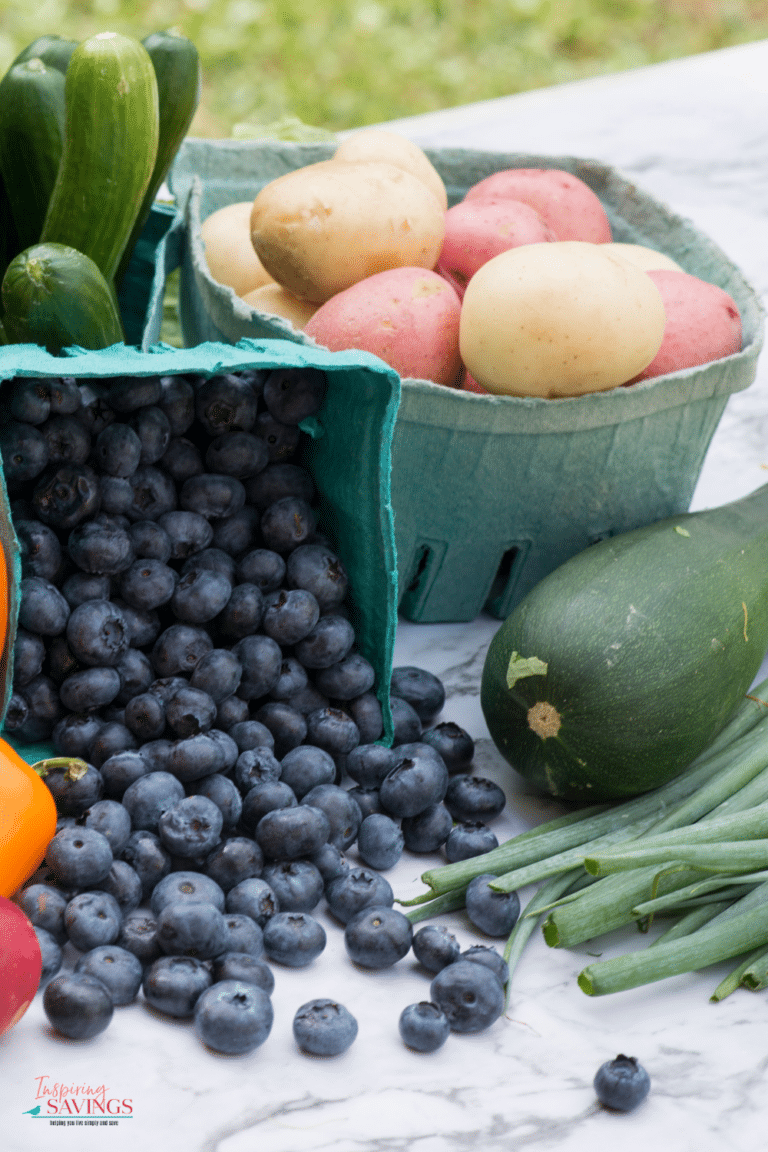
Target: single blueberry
{"type": "Point", "coordinates": [347, 679]}
{"type": "Point", "coordinates": [418, 779]}
{"type": "Point", "coordinates": [355, 890]}
{"type": "Point", "coordinates": [456, 746]}
{"type": "Point", "coordinates": [428, 830]}
{"type": "Point", "coordinates": [149, 797]}
{"type": "Point", "coordinates": [77, 1005]}
{"type": "Point", "coordinates": [173, 984]}
{"type": "Point", "coordinates": [138, 934]}
{"type": "Point", "coordinates": [245, 966]}
{"type": "Point", "coordinates": [244, 935]}
{"type": "Point", "coordinates": [262, 567]}
{"type": "Point", "coordinates": [290, 833]}
{"type": "Point", "coordinates": [320, 571]}
{"type": "Point", "coordinates": [422, 689]}
{"type": "Point", "coordinates": [79, 857]}
{"type": "Point", "coordinates": [112, 820]}
{"type": "Point", "coordinates": [380, 842]}
{"type": "Point", "coordinates": [297, 884]}
{"type": "Point", "coordinates": [342, 810]}
{"type": "Point", "coordinates": [368, 764]}
{"type": "Point", "coordinates": [124, 884]}
{"type": "Point", "coordinates": [470, 798]}
{"type": "Point", "coordinates": [264, 797]}
{"type": "Point", "coordinates": [434, 946]}
{"type": "Point", "coordinates": [277, 480]}
{"type": "Point", "coordinates": [406, 722]}
{"type": "Point", "coordinates": [332, 730]}
{"type": "Point", "coordinates": [253, 897]}
{"type": "Point", "coordinates": [42, 608]}
{"type": "Point", "coordinates": [44, 907]}
{"type": "Point", "coordinates": [148, 858]}
{"type": "Point", "coordinates": [469, 839]}
{"type": "Point", "coordinates": [194, 887]}
{"type": "Point", "coordinates": [287, 725]}
{"type": "Point", "coordinates": [294, 939]}
{"type": "Point", "coordinates": [235, 859]}
{"type": "Point", "coordinates": [494, 913]}
{"type": "Point", "coordinates": [92, 919]}
{"type": "Point", "coordinates": [119, 970]}
{"type": "Point", "coordinates": [469, 994]}
{"type": "Point", "coordinates": [51, 954]}
{"type": "Point", "coordinates": [324, 1028]}
{"type": "Point", "coordinates": [190, 827]}
{"type": "Point", "coordinates": [306, 766]}
{"type": "Point", "coordinates": [225, 795]}
{"type": "Point", "coordinates": [187, 928]}
{"type": "Point", "coordinates": [423, 1027]}
{"type": "Point", "coordinates": [622, 1083]}
{"type": "Point", "coordinates": [378, 937]}
{"type": "Point", "coordinates": [483, 954]}
{"type": "Point", "coordinates": [233, 1017]}
{"type": "Point", "coordinates": [218, 673]}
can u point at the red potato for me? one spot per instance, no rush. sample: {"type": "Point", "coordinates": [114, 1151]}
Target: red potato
{"type": "Point", "coordinates": [20, 964]}
{"type": "Point", "coordinates": [469, 384]}
{"type": "Point", "coordinates": [409, 317]}
{"type": "Point", "coordinates": [476, 231]}
{"type": "Point", "coordinates": [702, 324]}
{"type": "Point", "coordinates": [566, 203]}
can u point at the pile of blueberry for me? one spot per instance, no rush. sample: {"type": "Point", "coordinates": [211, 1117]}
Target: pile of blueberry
{"type": "Point", "coordinates": [185, 646]}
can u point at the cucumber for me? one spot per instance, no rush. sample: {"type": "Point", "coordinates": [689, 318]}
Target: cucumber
{"type": "Point", "coordinates": [31, 135]}
{"type": "Point", "coordinates": [55, 296]}
{"type": "Point", "coordinates": [621, 666]}
{"type": "Point", "coordinates": [177, 70]}
{"type": "Point", "coordinates": [10, 245]}
{"type": "Point", "coordinates": [54, 51]}
{"type": "Point", "coordinates": [110, 147]}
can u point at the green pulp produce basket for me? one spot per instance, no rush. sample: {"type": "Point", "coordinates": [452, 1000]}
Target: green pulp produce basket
{"type": "Point", "coordinates": [491, 493]}
{"type": "Point", "coordinates": [346, 449]}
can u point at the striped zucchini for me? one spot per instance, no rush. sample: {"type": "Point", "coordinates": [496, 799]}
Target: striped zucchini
{"type": "Point", "coordinates": [110, 147]}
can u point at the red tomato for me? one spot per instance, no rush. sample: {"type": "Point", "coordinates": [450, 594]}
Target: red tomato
{"type": "Point", "coordinates": [20, 964]}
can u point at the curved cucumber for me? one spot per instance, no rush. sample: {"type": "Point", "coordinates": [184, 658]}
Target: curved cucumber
{"type": "Point", "coordinates": [621, 666]}
{"type": "Point", "coordinates": [54, 51]}
{"type": "Point", "coordinates": [31, 132]}
{"type": "Point", "coordinates": [110, 147]}
{"type": "Point", "coordinates": [177, 70]}
{"type": "Point", "coordinates": [55, 296]}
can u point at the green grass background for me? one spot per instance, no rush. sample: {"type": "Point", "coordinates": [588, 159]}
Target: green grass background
{"type": "Point", "coordinates": [340, 64]}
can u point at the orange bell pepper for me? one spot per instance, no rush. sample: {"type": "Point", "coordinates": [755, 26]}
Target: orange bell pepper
{"type": "Point", "coordinates": [27, 820]}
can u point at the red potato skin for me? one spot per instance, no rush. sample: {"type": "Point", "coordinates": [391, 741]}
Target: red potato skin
{"type": "Point", "coordinates": [20, 964]}
{"type": "Point", "coordinates": [568, 205]}
{"type": "Point", "coordinates": [409, 317]}
{"type": "Point", "coordinates": [702, 324]}
{"type": "Point", "coordinates": [469, 384]}
{"type": "Point", "coordinates": [477, 230]}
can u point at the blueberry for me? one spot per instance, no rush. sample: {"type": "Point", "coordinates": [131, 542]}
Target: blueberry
{"type": "Point", "coordinates": [244, 935]}
{"type": "Point", "coordinates": [244, 966]}
{"type": "Point", "coordinates": [294, 939]}
{"type": "Point", "coordinates": [136, 674]}
{"type": "Point", "coordinates": [253, 897]}
{"type": "Point", "coordinates": [145, 717]}
{"type": "Point", "coordinates": [434, 946]}
{"type": "Point", "coordinates": [471, 798]}
{"type": "Point", "coordinates": [287, 523]}
{"type": "Point", "coordinates": [235, 859]}
{"type": "Point", "coordinates": [179, 649]}
{"type": "Point", "coordinates": [324, 1028]}
{"type": "Point", "coordinates": [368, 764]}
{"type": "Point", "coordinates": [24, 452]}
{"type": "Point", "coordinates": [152, 493]}
{"type": "Point", "coordinates": [28, 656]}
{"type": "Point", "coordinates": [30, 401]}
{"type": "Point", "coordinates": [428, 830]}
{"type": "Point", "coordinates": [239, 454]}
{"type": "Point", "coordinates": [405, 720]}
{"type": "Point", "coordinates": [287, 725]}
{"type": "Point", "coordinates": [41, 553]}
{"type": "Point", "coordinates": [262, 567]}
{"type": "Point", "coordinates": [138, 934]}
{"type": "Point", "coordinates": [177, 400]}
{"type": "Point", "coordinates": [127, 393]}
{"type": "Point", "coordinates": [77, 1005]}
{"type": "Point", "coordinates": [97, 633]}
{"type": "Point", "coordinates": [51, 954]}
{"type": "Point", "coordinates": [238, 533]}
{"type": "Point", "coordinates": [189, 533]}
{"type": "Point", "coordinates": [124, 884]}
{"type": "Point", "coordinates": [290, 833]}
{"type": "Point", "coordinates": [148, 858]}
{"type": "Point", "coordinates": [303, 768]}
{"type": "Point", "coordinates": [249, 734]}
{"type": "Point", "coordinates": [226, 403]}
{"type": "Point", "coordinates": [150, 541]}
{"type": "Point", "coordinates": [182, 459]}
{"type": "Point", "coordinates": [367, 800]}
{"type": "Point", "coordinates": [332, 730]}
{"type": "Point", "coordinates": [42, 609]}
{"type": "Point", "coordinates": [90, 689]}
{"type": "Point", "coordinates": [44, 709]}
{"type": "Point", "coordinates": [189, 928]}
{"type": "Point", "coordinates": [79, 857]}
{"type": "Point", "coordinates": [378, 937]}
{"type": "Point", "coordinates": [231, 712]}
{"type": "Point", "coordinates": [365, 710]}
{"type": "Point", "coordinates": [423, 1026]}
{"type": "Point", "coordinates": [63, 395]}
{"type": "Point", "coordinates": [356, 889]}
{"type": "Point", "coordinates": [148, 584]}
{"type": "Point", "coordinates": [281, 439]}
{"type": "Point", "coordinates": [224, 794]}
{"type": "Point", "coordinates": [289, 616]}
{"type": "Point", "coordinates": [456, 746]}
{"type": "Point", "coordinates": [380, 842]}
{"type": "Point", "coordinates": [483, 954]}
{"type": "Point", "coordinates": [44, 907]}
{"type": "Point", "coordinates": [117, 450]}
{"type": "Point", "coordinates": [342, 810]}
{"type": "Point", "coordinates": [320, 571]}
{"type": "Point", "coordinates": [112, 820]}
{"type": "Point", "coordinates": [622, 1083]}
{"type": "Point", "coordinates": [293, 394]}
{"type": "Point", "coordinates": [330, 862]}
{"type": "Point", "coordinates": [190, 827]}
{"type": "Point", "coordinates": [212, 495]}
{"type": "Point", "coordinates": [264, 797]}
{"type": "Point", "coordinates": [494, 913]}
{"type": "Point", "coordinates": [418, 779]}
{"type": "Point", "coordinates": [469, 994]}
{"type": "Point", "coordinates": [149, 797]}
{"type": "Point", "coordinates": [200, 595]}
{"type": "Point", "coordinates": [153, 429]}
{"type": "Point", "coordinates": [143, 624]}
{"type": "Point", "coordinates": [117, 495]}
{"type": "Point", "coordinates": [297, 884]}
{"type": "Point", "coordinates": [255, 766]}
{"type": "Point", "coordinates": [66, 497]}
{"type": "Point", "coordinates": [113, 736]}
{"type": "Point", "coordinates": [241, 616]}
{"type": "Point", "coordinates": [233, 1017]}
{"type": "Point", "coordinates": [92, 919]}
{"type": "Point", "coordinates": [328, 642]}
{"type": "Point", "coordinates": [307, 700]}
{"type": "Point", "coordinates": [120, 770]}
{"type": "Point", "coordinates": [469, 839]}
{"type": "Point", "coordinates": [17, 713]}
{"type": "Point", "coordinates": [189, 712]}
{"type": "Point", "coordinates": [261, 660]}
{"type": "Point", "coordinates": [277, 480]}
{"type": "Point", "coordinates": [173, 984]}
{"type": "Point", "coordinates": [422, 689]}
{"type": "Point", "coordinates": [119, 970]}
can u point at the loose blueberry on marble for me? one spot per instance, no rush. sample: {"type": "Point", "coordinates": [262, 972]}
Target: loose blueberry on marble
{"type": "Point", "coordinates": [233, 1017]}
{"type": "Point", "coordinates": [173, 984]}
{"type": "Point", "coordinates": [378, 937]}
{"type": "Point", "coordinates": [469, 994]}
{"type": "Point", "coordinates": [622, 1083]}
{"type": "Point", "coordinates": [324, 1027]}
{"type": "Point", "coordinates": [77, 1005]}
{"type": "Point", "coordinates": [423, 1026]}
{"type": "Point", "coordinates": [294, 938]}
{"type": "Point", "coordinates": [494, 913]}
{"type": "Point", "coordinates": [469, 839]}
{"type": "Point", "coordinates": [434, 946]}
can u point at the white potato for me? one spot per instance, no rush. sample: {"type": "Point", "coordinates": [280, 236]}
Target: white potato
{"type": "Point", "coordinates": [381, 144]}
{"type": "Point", "coordinates": [646, 258]}
{"type": "Point", "coordinates": [559, 319]}
{"type": "Point", "coordinates": [321, 228]}
{"type": "Point", "coordinates": [229, 254]}
{"type": "Point", "coordinates": [278, 301]}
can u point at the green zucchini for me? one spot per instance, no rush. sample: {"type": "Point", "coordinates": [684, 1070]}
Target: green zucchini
{"type": "Point", "coordinates": [31, 135]}
{"type": "Point", "coordinates": [10, 245]}
{"type": "Point", "coordinates": [110, 147]}
{"type": "Point", "coordinates": [54, 51]}
{"type": "Point", "coordinates": [621, 666]}
{"type": "Point", "coordinates": [55, 296]}
{"type": "Point", "coordinates": [177, 70]}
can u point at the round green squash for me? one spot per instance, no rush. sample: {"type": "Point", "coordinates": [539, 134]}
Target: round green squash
{"type": "Point", "coordinates": [620, 667]}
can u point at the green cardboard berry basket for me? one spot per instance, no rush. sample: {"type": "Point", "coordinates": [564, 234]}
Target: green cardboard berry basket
{"type": "Point", "coordinates": [346, 449]}
{"type": "Point", "coordinates": [491, 493]}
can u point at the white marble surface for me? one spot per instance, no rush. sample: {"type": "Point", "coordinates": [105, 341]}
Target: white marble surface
{"type": "Point", "coordinates": [695, 133]}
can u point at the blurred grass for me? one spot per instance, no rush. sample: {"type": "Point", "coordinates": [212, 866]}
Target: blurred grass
{"type": "Point", "coordinates": [346, 63]}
